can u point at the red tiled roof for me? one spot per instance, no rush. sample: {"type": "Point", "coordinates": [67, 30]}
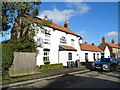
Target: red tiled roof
{"type": "Point", "coordinates": [112, 45]}
{"type": "Point", "coordinates": [68, 47]}
{"type": "Point", "coordinates": [63, 29]}
{"type": "Point", "coordinates": [55, 26]}
{"type": "Point", "coordinates": [88, 47]}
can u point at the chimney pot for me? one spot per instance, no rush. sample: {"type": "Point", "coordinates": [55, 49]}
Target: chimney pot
{"type": "Point", "coordinates": [113, 41]}
{"type": "Point", "coordinates": [103, 39]}
{"type": "Point", "coordinates": [67, 25]}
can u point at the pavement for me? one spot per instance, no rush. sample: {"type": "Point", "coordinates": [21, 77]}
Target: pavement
{"type": "Point", "coordinates": [48, 75]}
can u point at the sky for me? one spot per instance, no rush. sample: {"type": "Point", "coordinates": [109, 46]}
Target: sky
{"type": "Point", "coordinates": [90, 20]}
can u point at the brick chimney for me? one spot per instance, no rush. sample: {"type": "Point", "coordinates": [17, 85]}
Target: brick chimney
{"type": "Point", "coordinates": [103, 39]}
{"type": "Point", "coordinates": [67, 25]}
{"type": "Point", "coordinates": [113, 41]}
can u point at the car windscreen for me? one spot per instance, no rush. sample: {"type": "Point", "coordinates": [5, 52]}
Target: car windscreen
{"type": "Point", "coordinates": [105, 60]}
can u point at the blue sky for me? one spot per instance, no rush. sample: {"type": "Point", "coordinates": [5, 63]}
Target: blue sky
{"type": "Point", "coordinates": [91, 20]}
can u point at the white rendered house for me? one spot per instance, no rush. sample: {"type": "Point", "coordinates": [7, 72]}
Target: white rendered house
{"type": "Point", "coordinates": [59, 44]}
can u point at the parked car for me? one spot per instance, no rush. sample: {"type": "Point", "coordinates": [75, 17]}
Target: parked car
{"type": "Point", "coordinates": [117, 60]}
{"type": "Point", "coordinates": [106, 64]}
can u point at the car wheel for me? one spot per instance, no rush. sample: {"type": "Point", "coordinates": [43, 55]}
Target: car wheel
{"type": "Point", "coordinates": [103, 68]}
{"type": "Point", "coordinates": [109, 69]}
{"type": "Point", "coordinates": [91, 69]}
{"type": "Point", "coordinates": [116, 68]}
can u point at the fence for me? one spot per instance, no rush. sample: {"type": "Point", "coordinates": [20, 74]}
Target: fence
{"type": "Point", "coordinates": [23, 64]}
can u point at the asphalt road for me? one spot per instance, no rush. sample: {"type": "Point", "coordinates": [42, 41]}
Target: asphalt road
{"type": "Point", "coordinates": [91, 79]}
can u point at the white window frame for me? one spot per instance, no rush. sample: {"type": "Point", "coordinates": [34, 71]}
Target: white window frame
{"type": "Point", "coordinates": [46, 55]}
{"type": "Point", "coordinates": [72, 42]}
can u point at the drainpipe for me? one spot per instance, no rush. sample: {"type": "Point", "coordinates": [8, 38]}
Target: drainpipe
{"type": "Point", "coordinates": [58, 56]}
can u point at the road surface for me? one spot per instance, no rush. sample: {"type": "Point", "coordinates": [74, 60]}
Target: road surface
{"type": "Point", "coordinates": [91, 79]}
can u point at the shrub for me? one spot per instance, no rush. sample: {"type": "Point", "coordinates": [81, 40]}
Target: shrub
{"type": "Point", "coordinates": [46, 62]}
{"type": "Point", "coordinates": [9, 47]}
{"type": "Point", "coordinates": [23, 45]}
{"type": "Point", "coordinates": [50, 67]}
{"type": "Point", "coordinates": [86, 59]}
{"type": "Point", "coordinates": [82, 63]}
{"type": "Point", "coordinates": [7, 58]}
{"type": "Point", "coordinates": [114, 55]}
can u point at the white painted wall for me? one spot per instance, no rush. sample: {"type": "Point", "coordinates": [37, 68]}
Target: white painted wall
{"type": "Point", "coordinates": [106, 52]}
{"type": "Point", "coordinates": [56, 56]}
{"type": "Point", "coordinates": [63, 56]}
{"type": "Point", "coordinates": [90, 56]}
{"type": "Point", "coordinates": [117, 51]}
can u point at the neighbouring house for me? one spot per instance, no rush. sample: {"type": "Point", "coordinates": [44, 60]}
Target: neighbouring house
{"type": "Point", "coordinates": [112, 49]}
{"type": "Point", "coordinates": [90, 52]}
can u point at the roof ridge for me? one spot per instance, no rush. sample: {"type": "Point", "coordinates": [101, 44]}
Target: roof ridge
{"type": "Point", "coordinates": [59, 27]}
{"type": "Point", "coordinates": [89, 47]}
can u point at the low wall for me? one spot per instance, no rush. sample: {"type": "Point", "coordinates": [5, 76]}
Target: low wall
{"type": "Point", "coordinates": [23, 64]}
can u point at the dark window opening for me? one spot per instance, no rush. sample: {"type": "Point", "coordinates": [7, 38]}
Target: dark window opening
{"type": "Point", "coordinates": [86, 55]}
{"type": "Point", "coordinates": [102, 55]}
{"type": "Point", "coordinates": [97, 56]}
{"type": "Point", "coordinates": [70, 56]}
{"type": "Point", "coordinates": [94, 56]}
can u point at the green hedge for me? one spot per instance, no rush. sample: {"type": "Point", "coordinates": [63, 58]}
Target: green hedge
{"type": "Point", "coordinates": [9, 47]}
{"type": "Point", "coordinates": [83, 63]}
{"type": "Point", "coordinates": [23, 45]}
{"type": "Point", "coordinates": [7, 58]}
{"type": "Point", "coordinates": [50, 67]}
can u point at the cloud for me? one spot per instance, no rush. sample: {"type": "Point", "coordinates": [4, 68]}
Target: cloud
{"type": "Point", "coordinates": [78, 7]}
{"type": "Point", "coordinates": [73, 0]}
{"type": "Point", "coordinates": [91, 41]}
{"type": "Point", "coordinates": [56, 15]}
{"type": "Point", "coordinates": [82, 31]}
{"type": "Point", "coordinates": [111, 34]}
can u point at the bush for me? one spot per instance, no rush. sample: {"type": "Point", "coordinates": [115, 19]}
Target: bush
{"type": "Point", "coordinates": [86, 59]}
{"type": "Point", "coordinates": [50, 67]}
{"type": "Point", "coordinates": [46, 62]}
{"type": "Point", "coordinates": [7, 58]}
{"type": "Point", "coordinates": [9, 47]}
{"type": "Point", "coordinates": [82, 63]}
{"type": "Point", "coordinates": [23, 45]}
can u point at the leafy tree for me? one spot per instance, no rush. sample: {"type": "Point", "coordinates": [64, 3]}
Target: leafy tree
{"type": "Point", "coordinates": [13, 10]}
{"type": "Point", "coordinates": [13, 13]}
{"type": "Point", "coordinates": [22, 15]}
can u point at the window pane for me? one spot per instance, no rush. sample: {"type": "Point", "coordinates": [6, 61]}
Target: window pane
{"type": "Point", "coordinates": [86, 55]}
{"type": "Point", "coordinates": [70, 56]}
{"type": "Point", "coordinates": [93, 55]}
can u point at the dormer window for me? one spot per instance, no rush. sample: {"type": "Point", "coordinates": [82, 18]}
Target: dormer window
{"type": "Point", "coordinates": [72, 41]}
{"type": "Point", "coordinates": [63, 40]}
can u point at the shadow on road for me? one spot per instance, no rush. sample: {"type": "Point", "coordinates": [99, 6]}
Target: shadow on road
{"type": "Point", "coordinates": [89, 66]}
{"type": "Point", "coordinates": [71, 81]}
